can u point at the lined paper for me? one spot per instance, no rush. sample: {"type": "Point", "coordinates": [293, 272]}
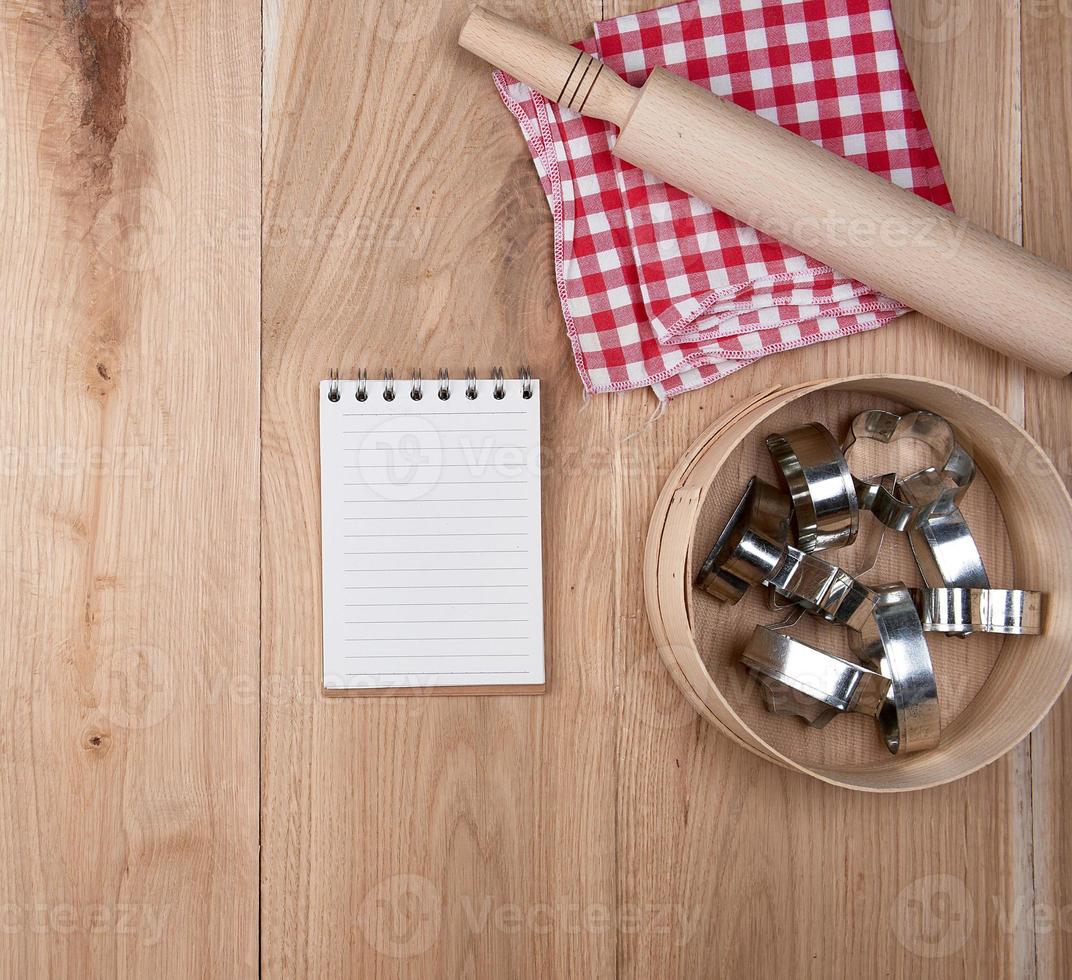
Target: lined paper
{"type": "Point", "coordinates": [431, 537]}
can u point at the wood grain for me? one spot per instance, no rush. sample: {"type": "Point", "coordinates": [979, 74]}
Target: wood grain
{"type": "Point", "coordinates": [753, 844]}
{"type": "Point", "coordinates": [559, 828]}
{"type": "Point", "coordinates": [427, 836]}
{"type": "Point", "coordinates": [1047, 229]}
{"type": "Point", "coordinates": [602, 829]}
{"type": "Point", "coordinates": [128, 586]}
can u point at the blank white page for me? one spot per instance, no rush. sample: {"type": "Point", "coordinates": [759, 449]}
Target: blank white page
{"type": "Point", "coordinates": [431, 537]}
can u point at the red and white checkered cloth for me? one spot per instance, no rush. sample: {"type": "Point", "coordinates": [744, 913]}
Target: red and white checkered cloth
{"type": "Point", "coordinates": [660, 289]}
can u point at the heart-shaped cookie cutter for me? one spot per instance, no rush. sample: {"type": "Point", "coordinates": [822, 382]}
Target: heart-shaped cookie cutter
{"type": "Point", "coordinates": [926, 502]}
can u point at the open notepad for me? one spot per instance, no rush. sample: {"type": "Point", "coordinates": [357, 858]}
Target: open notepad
{"type": "Point", "coordinates": [431, 536]}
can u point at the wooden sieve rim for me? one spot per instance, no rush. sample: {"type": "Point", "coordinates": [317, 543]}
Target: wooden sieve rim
{"type": "Point", "coordinates": [1024, 682]}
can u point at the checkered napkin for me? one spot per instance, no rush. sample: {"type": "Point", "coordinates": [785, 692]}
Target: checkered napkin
{"type": "Point", "coordinates": [658, 288]}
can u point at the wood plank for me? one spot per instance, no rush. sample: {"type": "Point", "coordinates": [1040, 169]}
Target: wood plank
{"type": "Point", "coordinates": [598, 829]}
{"type": "Point", "coordinates": [404, 227]}
{"type": "Point", "coordinates": [129, 281]}
{"type": "Point", "coordinates": [758, 871]}
{"type": "Point", "coordinates": [1046, 911]}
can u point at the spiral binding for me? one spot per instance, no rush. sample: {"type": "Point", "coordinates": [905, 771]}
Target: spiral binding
{"type": "Point", "coordinates": [443, 389]}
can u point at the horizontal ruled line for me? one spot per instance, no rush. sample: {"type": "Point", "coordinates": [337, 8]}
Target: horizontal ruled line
{"type": "Point", "coordinates": [415, 605]}
{"type": "Point", "coordinates": [437, 673]}
{"type": "Point", "coordinates": [427, 639]}
{"type": "Point", "coordinates": [422, 432]}
{"type": "Point", "coordinates": [436, 483]}
{"type": "Point", "coordinates": [429, 449]}
{"type": "Point", "coordinates": [443, 534]}
{"type": "Point", "coordinates": [439, 568]}
{"type": "Point", "coordinates": [438, 517]}
{"type": "Point", "coordinates": [435, 622]}
{"type": "Point", "coordinates": [451, 551]}
{"type": "Point", "coordinates": [480, 464]}
{"type": "Point", "coordinates": [451, 500]}
{"type": "Point", "coordinates": [448, 586]}
{"type": "Point", "coordinates": [360, 415]}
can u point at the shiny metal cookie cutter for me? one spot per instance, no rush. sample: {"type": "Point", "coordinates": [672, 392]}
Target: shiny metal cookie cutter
{"type": "Point", "coordinates": [962, 611]}
{"type": "Point", "coordinates": [867, 561]}
{"type": "Point", "coordinates": [802, 680]}
{"type": "Point", "coordinates": [941, 540]}
{"type": "Point", "coordinates": [752, 545]}
{"type": "Point", "coordinates": [825, 508]}
{"type": "Point", "coordinates": [753, 549]}
{"type": "Point", "coordinates": [878, 496]}
{"type": "Point", "coordinates": [822, 589]}
{"type": "Point", "coordinates": [935, 486]}
{"type": "Point", "coordinates": [926, 502]}
{"type": "Point", "coordinates": [892, 640]}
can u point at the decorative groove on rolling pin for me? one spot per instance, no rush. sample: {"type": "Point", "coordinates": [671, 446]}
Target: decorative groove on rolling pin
{"type": "Point", "coordinates": [565, 84]}
{"type": "Point", "coordinates": [580, 82]}
{"type": "Point", "coordinates": [590, 87]}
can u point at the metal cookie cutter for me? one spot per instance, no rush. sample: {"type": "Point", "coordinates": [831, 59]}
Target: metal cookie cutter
{"type": "Point", "coordinates": [802, 680]}
{"type": "Point", "coordinates": [941, 540]}
{"type": "Point", "coordinates": [823, 589]}
{"type": "Point", "coordinates": [752, 550]}
{"type": "Point", "coordinates": [752, 545]}
{"type": "Point", "coordinates": [944, 486]}
{"type": "Point", "coordinates": [825, 508]}
{"type": "Point", "coordinates": [892, 639]}
{"type": "Point", "coordinates": [926, 501]}
{"type": "Point", "coordinates": [963, 611]}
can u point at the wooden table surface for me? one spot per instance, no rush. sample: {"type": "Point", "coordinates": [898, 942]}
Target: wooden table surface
{"type": "Point", "coordinates": [205, 207]}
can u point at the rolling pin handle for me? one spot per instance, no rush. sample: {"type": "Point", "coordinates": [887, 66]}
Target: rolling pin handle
{"type": "Point", "coordinates": [558, 71]}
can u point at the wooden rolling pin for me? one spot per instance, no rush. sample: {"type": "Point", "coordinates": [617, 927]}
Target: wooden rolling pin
{"type": "Point", "coordinates": [856, 222]}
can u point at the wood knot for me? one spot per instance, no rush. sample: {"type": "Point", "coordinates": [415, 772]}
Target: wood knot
{"type": "Point", "coordinates": [100, 376]}
{"type": "Point", "coordinates": [97, 741]}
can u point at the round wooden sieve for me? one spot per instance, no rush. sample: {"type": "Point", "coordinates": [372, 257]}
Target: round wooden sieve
{"type": "Point", "coordinates": [993, 689]}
